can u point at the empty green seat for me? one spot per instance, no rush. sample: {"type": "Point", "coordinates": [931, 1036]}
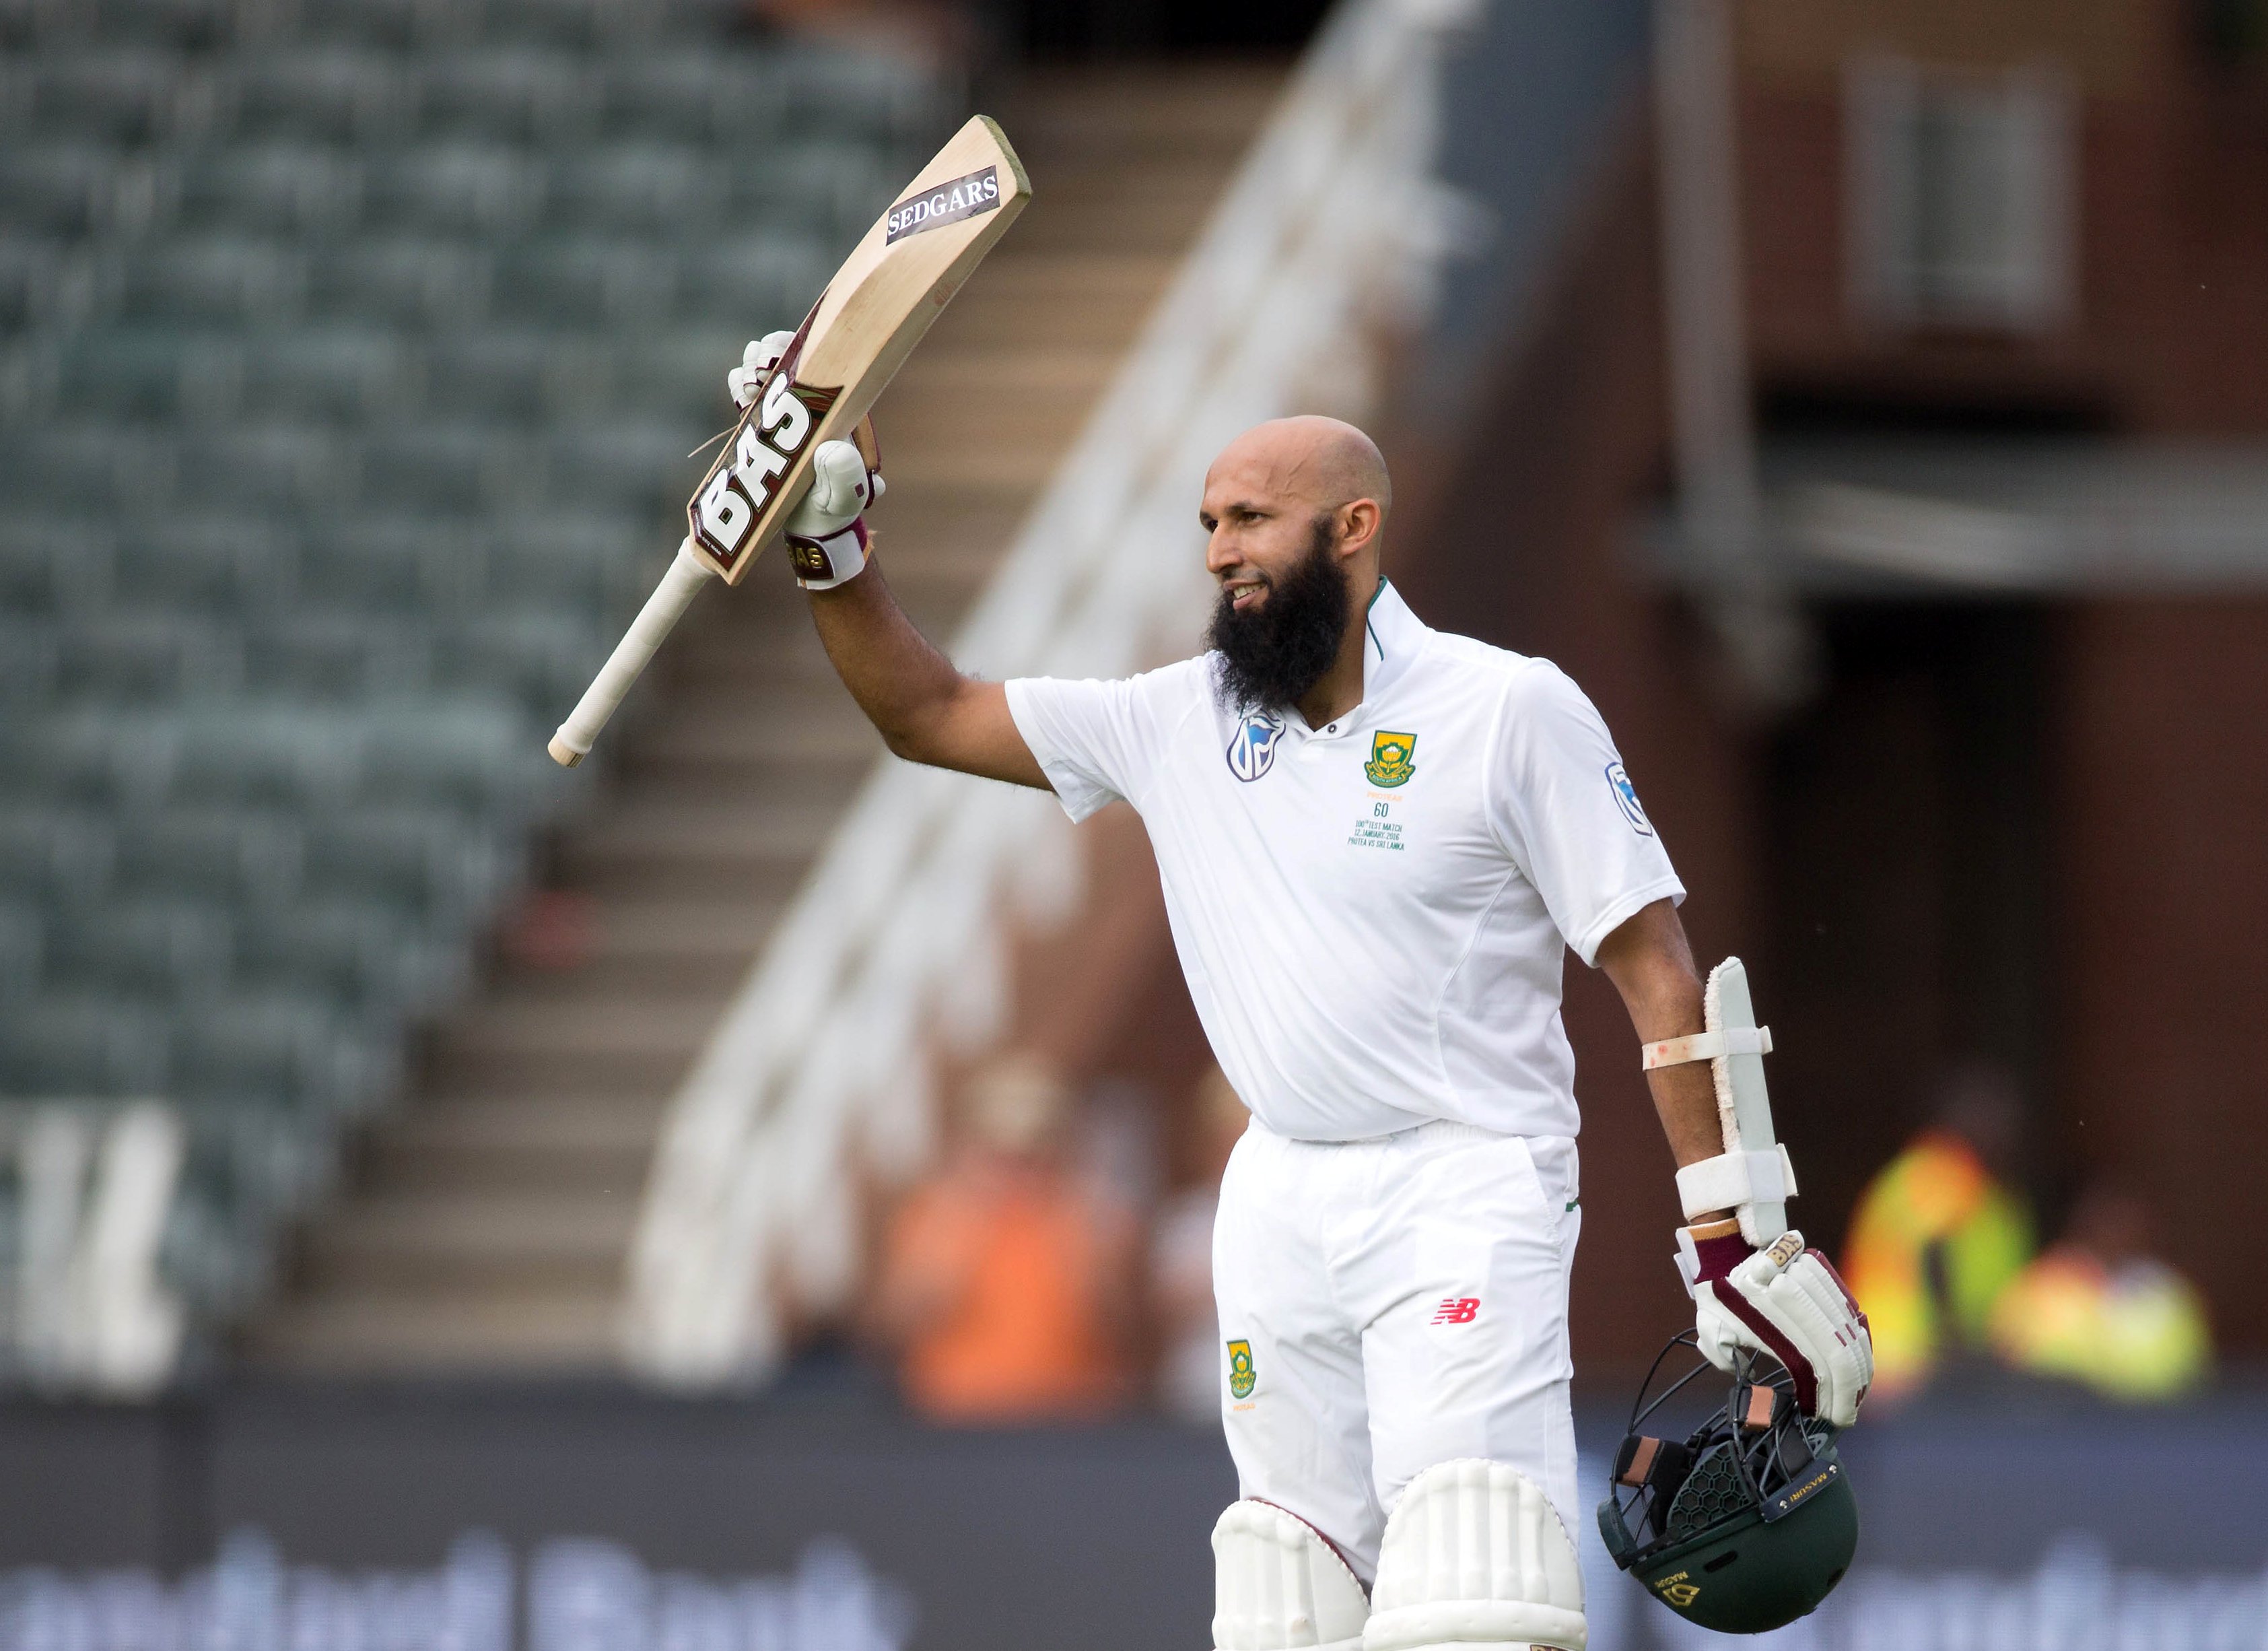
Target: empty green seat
{"type": "Point", "coordinates": [80, 1045]}
{"type": "Point", "coordinates": [115, 94]}
{"type": "Point", "coordinates": [222, 562]}
{"type": "Point", "coordinates": [21, 954]}
{"type": "Point", "coordinates": [375, 565]}
{"type": "Point", "coordinates": [342, 374]}
{"type": "Point", "coordinates": [32, 276]}
{"type": "Point", "coordinates": [58, 188]}
{"type": "Point", "coordinates": [518, 93]}
{"type": "Point", "coordinates": [427, 862]}
{"type": "Point", "coordinates": [401, 279]}
{"type": "Point", "coordinates": [208, 278]}
{"type": "Point", "coordinates": [429, 467]}
{"type": "Point", "coordinates": [373, 960]}
{"type": "Point", "coordinates": [70, 464]}
{"type": "Point", "coordinates": [280, 187]}
{"type": "Point", "coordinates": [31, 651]}
{"type": "Point", "coordinates": [479, 754]}
{"type": "Point", "coordinates": [126, 373]}
{"type": "Point", "coordinates": [53, 562]}
{"type": "Point", "coordinates": [593, 561]}
{"type": "Point", "coordinates": [271, 467]}
{"type": "Point", "coordinates": [765, 279]}
{"type": "Point", "coordinates": [163, 950]}
{"type": "Point", "coordinates": [57, 855]}
{"type": "Point", "coordinates": [145, 656]}
{"type": "Point", "coordinates": [456, 188]}
{"type": "Point", "coordinates": [514, 373]}
{"type": "Point", "coordinates": [245, 859]}
{"type": "Point", "coordinates": [323, 90]}
{"type": "Point", "coordinates": [691, 93]}
{"type": "Point", "coordinates": [587, 281]}
{"type": "Point", "coordinates": [675, 190]}
{"type": "Point", "coordinates": [287, 1048]}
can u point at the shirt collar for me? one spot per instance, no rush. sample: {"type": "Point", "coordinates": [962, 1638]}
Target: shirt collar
{"type": "Point", "coordinates": [1392, 636]}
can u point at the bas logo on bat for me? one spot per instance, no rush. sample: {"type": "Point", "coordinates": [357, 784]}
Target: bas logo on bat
{"type": "Point", "coordinates": [769, 442]}
{"type": "Point", "coordinates": [948, 204]}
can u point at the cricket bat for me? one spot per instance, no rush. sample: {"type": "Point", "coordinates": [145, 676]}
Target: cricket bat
{"type": "Point", "coordinates": [895, 282]}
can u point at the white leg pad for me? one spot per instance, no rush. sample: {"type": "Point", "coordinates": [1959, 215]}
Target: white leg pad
{"type": "Point", "coordinates": [1475, 1555]}
{"type": "Point", "coordinates": [1279, 1586]}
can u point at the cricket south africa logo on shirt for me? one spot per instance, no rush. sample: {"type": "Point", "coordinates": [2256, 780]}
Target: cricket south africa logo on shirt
{"type": "Point", "coordinates": [1391, 759]}
{"type": "Point", "coordinates": [1253, 750]}
{"type": "Point", "coordinates": [1241, 1377]}
{"type": "Point", "coordinates": [1626, 798]}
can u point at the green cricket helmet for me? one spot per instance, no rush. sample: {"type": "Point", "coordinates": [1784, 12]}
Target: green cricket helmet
{"type": "Point", "coordinates": [1748, 1522]}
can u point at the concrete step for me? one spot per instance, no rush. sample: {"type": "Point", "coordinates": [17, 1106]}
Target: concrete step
{"type": "Point", "coordinates": [717, 842]}
{"type": "Point", "coordinates": [635, 1047]}
{"type": "Point", "coordinates": [820, 724]}
{"type": "Point", "coordinates": [436, 1332]}
{"type": "Point", "coordinates": [1110, 207]}
{"type": "Point", "coordinates": [1068, 299]}
{"type": "Point", "coordinates": [705, 776]}
{"type": "Point", "coordinates": [582, 1144]}
{"type": "Point", "coordinates": [500, 1239]}
{"type": "Point", "coordinates": [1209, 108]}
{"type": "Point", "coordinates": [708, 923]}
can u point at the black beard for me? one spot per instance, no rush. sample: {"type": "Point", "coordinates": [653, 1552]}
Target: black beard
{"type": "Point", "coordinates": [1271, 655]}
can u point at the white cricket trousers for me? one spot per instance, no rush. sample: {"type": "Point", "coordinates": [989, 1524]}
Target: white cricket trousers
{"type": "Point", "coordinates": [1389, 1304]}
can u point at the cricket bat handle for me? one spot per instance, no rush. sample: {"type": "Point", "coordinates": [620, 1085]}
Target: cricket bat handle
{"type": "Point", "coordinates": [687, 573]}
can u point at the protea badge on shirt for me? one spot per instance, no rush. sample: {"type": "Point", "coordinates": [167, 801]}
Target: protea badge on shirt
{"type": "Point", "coordinates": [1393, 759]}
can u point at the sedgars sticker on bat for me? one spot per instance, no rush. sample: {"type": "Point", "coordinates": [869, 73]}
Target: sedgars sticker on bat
{"type": "Point", "coordinates": [949, 203]}
{"type": "Point", "coordinates": [768, 443]}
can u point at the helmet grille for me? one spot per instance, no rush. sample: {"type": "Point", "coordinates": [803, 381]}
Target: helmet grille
{"type": "Point", "coordinates": [1712, 1493]}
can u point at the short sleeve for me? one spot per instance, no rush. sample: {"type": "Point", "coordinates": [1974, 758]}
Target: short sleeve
{"type": "Point", "coordinates": [1567, 812]}
{"type": "Point", "coordinates": [1096, 741]}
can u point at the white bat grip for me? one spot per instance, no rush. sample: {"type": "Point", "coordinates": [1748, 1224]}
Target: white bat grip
{"type": "Point", "coordinates": [687, 573]}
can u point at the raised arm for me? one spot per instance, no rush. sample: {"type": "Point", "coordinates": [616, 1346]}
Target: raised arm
{"type": "Point", "coordinates": [927, 712]}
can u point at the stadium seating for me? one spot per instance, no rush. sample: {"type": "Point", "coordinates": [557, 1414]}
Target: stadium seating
{"type": "Point", "coordinates": [350, 355]}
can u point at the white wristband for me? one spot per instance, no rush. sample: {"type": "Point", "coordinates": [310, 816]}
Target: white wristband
{"type": "Point", "coordinates": [1730, 1180]}
{"type": "Point", "coordinates": [821, 565]}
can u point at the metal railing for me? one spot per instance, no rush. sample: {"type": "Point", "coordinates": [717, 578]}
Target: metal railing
{"type": "Point", "coordinates": [1325, 242]}
{"type": "Point", "coordinates": [82, 1308]}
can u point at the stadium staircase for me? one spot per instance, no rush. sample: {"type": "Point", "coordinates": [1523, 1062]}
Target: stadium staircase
{"type": "Point", "coordinates": [487, 1222]}
{"type": "Point", "coordinates": [350, 355]}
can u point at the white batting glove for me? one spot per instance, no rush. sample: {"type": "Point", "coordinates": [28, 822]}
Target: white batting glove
{"type": "Point", "coordinates": [1786, 1300]}
{"type": "Point", "coordinates": [826, 530]}
{"type": "Point", "coordinates": [747, 380]}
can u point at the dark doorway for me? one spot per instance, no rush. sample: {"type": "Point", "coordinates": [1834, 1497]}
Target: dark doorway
{"type": "Point", "coordinates": [1906, 909]}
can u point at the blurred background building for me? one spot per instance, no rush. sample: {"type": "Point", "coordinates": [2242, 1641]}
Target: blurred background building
{"type": "Point", "coordinates": [1869, 405]}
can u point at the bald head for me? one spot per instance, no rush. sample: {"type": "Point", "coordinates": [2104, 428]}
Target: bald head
{"type": "Point", "coordinates": [1294, 514]}
{"type": "Point", "coordinates": [1323, 464]}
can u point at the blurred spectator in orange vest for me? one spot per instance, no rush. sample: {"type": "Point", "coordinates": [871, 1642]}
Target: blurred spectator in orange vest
{"type": "Point", "coordinates": [1005, 1281]}
{"type": "Point", "coordinates": [2100, 1310]}
{"type": "Point", "coordinates": [1181, 1264]}
{"type": "Point", "coordinates": [1939, 1234]}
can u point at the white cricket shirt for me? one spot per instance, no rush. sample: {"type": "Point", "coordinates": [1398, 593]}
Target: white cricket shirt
{"type": "Point", "coordinates": [1371, 914]}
